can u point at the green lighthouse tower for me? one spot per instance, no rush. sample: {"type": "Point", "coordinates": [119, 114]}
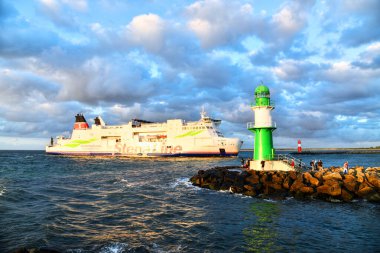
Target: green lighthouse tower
{"type": "Point", "coordinates": [263, 126]}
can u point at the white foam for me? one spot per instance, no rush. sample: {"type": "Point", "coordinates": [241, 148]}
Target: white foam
{"type": "Point", "coordinates": [131, 184]}
{"type": "Point", "coordinates": [237, 195]}
{"type": "Point", "coordinates": [156, 248]}
{"type": "Point", "coordinates": [270, 200]}
{"type": "Point", "coordinates": [236, 170]}
{"type": "Point", "coordinates": [2, 190]}
{"type": "Point", "coordinates": [183, 181]}
{"type": "Point", "coordinates": [115, 247]}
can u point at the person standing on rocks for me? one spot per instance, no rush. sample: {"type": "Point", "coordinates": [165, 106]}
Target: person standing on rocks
{"type": "Point", "coordinates": [320, 165]}
{"type": "Point", "coordinates": [345, 167]}
{"type": "Point", "coordinates": [312, 165]}
{"type": "Point", "coordinates": [262, 164]}
{"type": "Point", "coordinates": [292, 163]}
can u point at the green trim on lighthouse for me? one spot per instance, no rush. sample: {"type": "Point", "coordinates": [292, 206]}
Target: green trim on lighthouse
{"type": "Point", "coordinates": [263, 134]}
{"type": "Point", "coordinates": [263, 144]}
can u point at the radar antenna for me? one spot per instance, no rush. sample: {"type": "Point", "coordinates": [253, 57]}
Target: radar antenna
{"type": "Point", "coordinates": [203, 112]}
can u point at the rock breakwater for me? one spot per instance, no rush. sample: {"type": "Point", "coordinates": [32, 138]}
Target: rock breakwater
{"type": "Point", "coordinates": [329, 184]}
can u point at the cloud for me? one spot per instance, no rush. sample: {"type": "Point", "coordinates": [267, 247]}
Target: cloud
{"type": "Point", "coordinates": [98, 79]}
{"type": "Point", "coordinates": [370, 58]}
{"type": "Point", "coordinates": [297, 71]}
{"type": "Point", "coordinates": [78, 5]}
{"type": "Point", "coordinates": [147, 31]}
{"type": "Point", "coordinates": [126, 60]}
{"type": "Point", "coordinates": [280, 31]}
{"type": "Point", "coordinates": [365, 29]}
{"type": "Point", "coordinates": [21, 42]}
{"type": "Point", "coordinates": [232, 22]}
{"type": "Point", "coordinates": [54, 10]}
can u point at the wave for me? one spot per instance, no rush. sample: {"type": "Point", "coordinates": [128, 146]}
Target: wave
{"type": "Point", "coordinates": [119, 247]}
{"type": "Point", "coordinates": [129, 184]}
{"type": "Point", "coordinates": [115, 247]}
{"type": "Point", "coordinates": [2, 190]}
{"type": "Point", "coordinates": [182, 181]}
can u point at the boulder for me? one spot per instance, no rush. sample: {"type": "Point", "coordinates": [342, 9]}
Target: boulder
{"type": "Point", "coordinates": [359, 176]}
{"type": "Point", "coordinates": [231, 176]}
{"type": "Point", "coordinates": [250, 193]}
{"type": "Point", "coordinates": [350, 183]}
{"type": "Point", "coordinates": [335, 169]}
{"type": "Point", "coordinates": [293, 175]}
{"type": "Point", "coordinates": [330, 187]}
{"type": "Point", "coordinates": [346, 196]}
{"type": "Point", "coordinates": [225, 186]}
{"type": "Point", "coordinates": [329, 184]}
{"type": "Point", "coordinates": [359, 169]}
{"type": "Point", "coordinates": [364, 190]}
{"type": "Point", "coordinates": [373, 197]}
{"type": "Point", "coordinates": [373, 179]}
{"type": "Point", "coordinates": [369, 169]}
{"type": "Point", "coordinates": [319, 174]}
{"type": "Point", "coordinates": [277, 179]}
{"type": "Point", "coordinates": [287, 183]}
{"type": "Point", "coordinates": [236, 189]}
{"type": "Point", "coordinates": [329, 175]}
{"type": "Point", "coordinates": [307, 190]}
{"type": "Point", "coordinates": [310, 179]}
{"type": "Point", "coordinates": [276, 186]}
{"type": "Point", "coordinates": [253, 179]}
{"type": "Point", "coordinates": [248, 187]}
{"type": "Point", "coordinates": [297, 185]}
{"type": "Point", "coordinates": [265, 177]}
{"type": "Point", "coordinates": [195, 180]}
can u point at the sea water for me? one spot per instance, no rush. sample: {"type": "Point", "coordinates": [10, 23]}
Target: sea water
{"type": "Point", "coordinates": [130, 205]}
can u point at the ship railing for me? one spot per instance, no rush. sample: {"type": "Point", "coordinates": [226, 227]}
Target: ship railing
{"type": "Point", "coordinates": [251, 125]}
{"type": "Point", "coordinates": [299, 165]}
{"type": "Point", "coordinates": [271, 103]}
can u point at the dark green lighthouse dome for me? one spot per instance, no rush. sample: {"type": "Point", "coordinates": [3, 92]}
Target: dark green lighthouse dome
{"type": "Point", "coordinates": [262, 89]}
{"type": "Point", "coordinates": [262, 96]}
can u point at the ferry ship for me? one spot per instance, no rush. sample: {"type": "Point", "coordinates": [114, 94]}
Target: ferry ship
{"type": "Point", "coordinates": [141, 138]}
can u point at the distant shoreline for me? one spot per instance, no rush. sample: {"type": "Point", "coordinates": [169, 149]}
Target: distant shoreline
{"type": "Point", "coordinates": [328, 150]}
{"type": "Point", "coordinates": [289, 150]}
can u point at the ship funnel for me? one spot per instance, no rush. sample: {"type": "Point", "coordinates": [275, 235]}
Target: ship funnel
{"type": "Point", "coordinates": [80, 122]}
{"type": "Point", "coordinates": [99, 121]}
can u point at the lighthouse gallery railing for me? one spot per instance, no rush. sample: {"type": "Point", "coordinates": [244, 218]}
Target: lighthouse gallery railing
{"type": "Point", "coordinates": [251, 125]}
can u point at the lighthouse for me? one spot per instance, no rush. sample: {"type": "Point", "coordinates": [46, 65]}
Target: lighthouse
{"type": "Point", "coordinates": [263, 126]}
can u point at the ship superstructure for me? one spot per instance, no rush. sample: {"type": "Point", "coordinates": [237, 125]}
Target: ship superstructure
{"type": "Point", "coordinates": [141, 138]}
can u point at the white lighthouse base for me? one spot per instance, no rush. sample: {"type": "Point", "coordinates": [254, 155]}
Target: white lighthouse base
{"type": "Point", "coordinates": [270, 166]}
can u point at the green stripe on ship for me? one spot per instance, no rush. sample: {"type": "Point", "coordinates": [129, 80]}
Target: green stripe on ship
{"type": "Point", "coordinates": [76, 143]}
{"type": "Point", "coordinates": [190, 133]}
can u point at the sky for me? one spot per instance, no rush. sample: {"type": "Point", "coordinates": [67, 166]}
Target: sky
{"type": "Point", "coordinates": [164, 59]}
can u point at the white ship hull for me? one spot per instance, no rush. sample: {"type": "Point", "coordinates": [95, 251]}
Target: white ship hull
{"type": "Point", "coordinates": [146, 139]}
